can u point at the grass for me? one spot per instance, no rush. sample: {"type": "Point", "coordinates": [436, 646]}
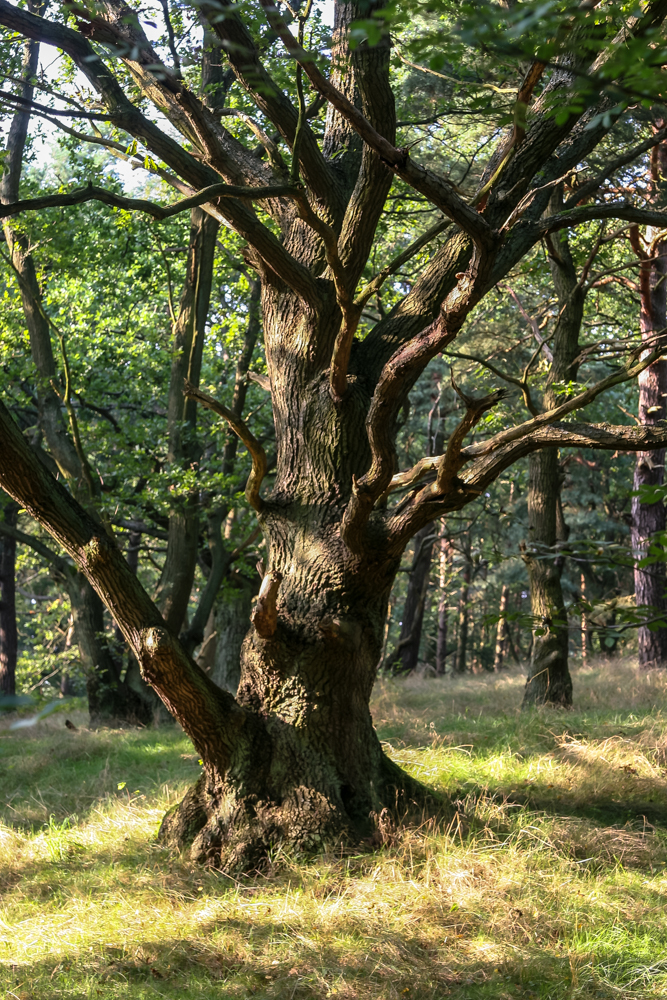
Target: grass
{"type": "Point", "coordinates": [550, 880]}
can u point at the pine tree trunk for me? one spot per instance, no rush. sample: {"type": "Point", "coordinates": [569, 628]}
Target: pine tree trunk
{"type": "Point", "coordinates": [649, 519]}
{"type": "Point", "coordinates": [462, 631]}
{"type": "Point", "coordinates": [8, 630]}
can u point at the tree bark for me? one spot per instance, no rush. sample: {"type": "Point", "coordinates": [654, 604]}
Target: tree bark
{"type": "Point", "coordinates": [8, 629]}
{"type": "Point", "coordinates": [415, 600]}
{"type": "Point", "coordinates": [548, 674]}
{"type": "Point", "coordinates": [501, 631]}
{"type": "Point", "coordinates": [232, 618]}
{"type": "Point", "coordinates": [462, 629]}
{"type": "Point", "coordinates": [549, 678]}
{"type": "Point", "coordinates": [649, 519]}
{"type": "Point", "coordinates": [178, 570]}
{"type": "Point", "coordinates": [441, 650]}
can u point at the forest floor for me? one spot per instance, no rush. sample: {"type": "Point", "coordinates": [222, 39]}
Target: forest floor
{"type": "Point", "coordinates": [549, 879]}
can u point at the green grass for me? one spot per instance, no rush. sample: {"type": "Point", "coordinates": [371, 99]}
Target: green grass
{"type": "Point", "coordinates": [549, 879]}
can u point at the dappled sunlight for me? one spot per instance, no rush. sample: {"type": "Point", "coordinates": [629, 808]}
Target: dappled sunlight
{"type": "Point", "coordinates": [516, 890]}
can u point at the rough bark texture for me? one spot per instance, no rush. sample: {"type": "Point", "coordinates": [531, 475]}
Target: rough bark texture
{"type": "Point", "coordinates": [8, 630]}
{"type": "Point", "coordinates": [649, 519]}
{"type": "Point", "coordinates": [549, 678]}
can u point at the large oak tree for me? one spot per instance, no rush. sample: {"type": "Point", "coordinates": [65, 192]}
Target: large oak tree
{"type": "Point", "coordinates": [294, 757]}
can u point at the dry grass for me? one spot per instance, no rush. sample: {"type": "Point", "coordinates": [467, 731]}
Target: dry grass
{"type": "Point", "coordinates": [549, 881]}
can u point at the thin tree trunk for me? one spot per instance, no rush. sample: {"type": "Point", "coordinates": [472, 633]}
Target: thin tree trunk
{"type": "Point", "coordinates": [443, 610]}
{"type": "Point", "coordinates": [232, 617]}
{"type": "Point", "coordinates": [8, 630]}
{"type": "Point", "coordinates": [649, 519]}
{"type": "Point", "coordinates": [462, 631]}
{"type": "Point", "coordinates": [501, 630]}
{"type": "Point", "coordinates": [413, 610]}
{"type": "Point", "coordinates": [178, 571]}
{"type": "Point", "coordinates": [549, 678]}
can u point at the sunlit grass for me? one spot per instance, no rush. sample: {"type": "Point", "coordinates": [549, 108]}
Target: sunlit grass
{"type": "Point", "coordinates": [547, 879]}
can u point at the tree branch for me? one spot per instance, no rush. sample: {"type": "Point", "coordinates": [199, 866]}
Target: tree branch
{"type": "Point", "coordinates": [215, 725]}
{"type": "Point", "coordinates": [435, 188]}
{"type": "Point", "coordinates": [257, 453]}
{"type": "Point", "coordinates": [402, 258]}
{"type": "Point", "coordinates": [34, 543]}
{"type": "Point", "coordinates": [589, 188]}
{"type": "Point", "coordinates": [452, 461]}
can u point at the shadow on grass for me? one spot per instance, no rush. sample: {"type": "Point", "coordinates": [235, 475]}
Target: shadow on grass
{"type": "Point", "coordinates": [387, 967]}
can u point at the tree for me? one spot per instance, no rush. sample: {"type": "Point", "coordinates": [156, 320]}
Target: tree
{"type": "Point", "coordinates": [294, 757]}
{"type": "Point", "coordinates": [648, 519]}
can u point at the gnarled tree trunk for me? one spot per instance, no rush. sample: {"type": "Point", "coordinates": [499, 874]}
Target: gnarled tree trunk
{"type": "Point", "coordinates": [294, 758]}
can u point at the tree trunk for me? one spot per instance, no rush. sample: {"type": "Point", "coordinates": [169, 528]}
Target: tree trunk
{"type": "Point", "coordinates": [232, 617]}
{"type": "Point", "coordinates": [443, 610]}
{"type": "Point", "coordinates": [549, 678]}
{"type": "Point", "coordinates": [548, 674]}
{"type": "Point", "coordinates": [110, 700]}
{"type": "Point", "coordinates": [178, 571]}
{"type": "Point", "coordinates": [8, 630]}
{"type": "Point", "coordinates": [462, 631]}
{"type": "Point", "coordinates": [649, 519]}
{"type": "Point", "coordinates": [501, 631]}
{"type": "Point", "coordinates": [322, 775]}
{"type": "Point", "coordinates": [415, 600]}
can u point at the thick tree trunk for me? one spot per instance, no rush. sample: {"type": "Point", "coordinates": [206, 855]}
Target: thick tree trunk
{"type": "Point", "coordinates": [323, 774]}
{"type": "Point", "coordinates": [649, 519]}
{"type": "Point", "coordinates": [8, 630]}
{"type": "Point", "coordinates": [415, 600]}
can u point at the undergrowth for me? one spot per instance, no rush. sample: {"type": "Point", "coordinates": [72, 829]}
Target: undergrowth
{"type": "Point", "coordinates": [549, 880]}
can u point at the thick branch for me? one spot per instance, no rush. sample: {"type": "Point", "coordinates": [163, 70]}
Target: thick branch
{"type": "Point", "coordinates": [626, 374]}
{"type": "Point", "coordinates": [613, 210]}
{"type": "Point", "coordinates": [211, 717]}
{"type": "Point", "coordinates": [257, 453]}
{"type": "Point", "coordinates": [126, 116]}
{"type": "Point", "coordinates": [452, 461]}
{"type": "Point", "coordinates": [435, 188]}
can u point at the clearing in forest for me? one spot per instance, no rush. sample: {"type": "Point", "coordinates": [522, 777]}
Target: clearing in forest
{"type": "Point", "coordinates": [548, 879]}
